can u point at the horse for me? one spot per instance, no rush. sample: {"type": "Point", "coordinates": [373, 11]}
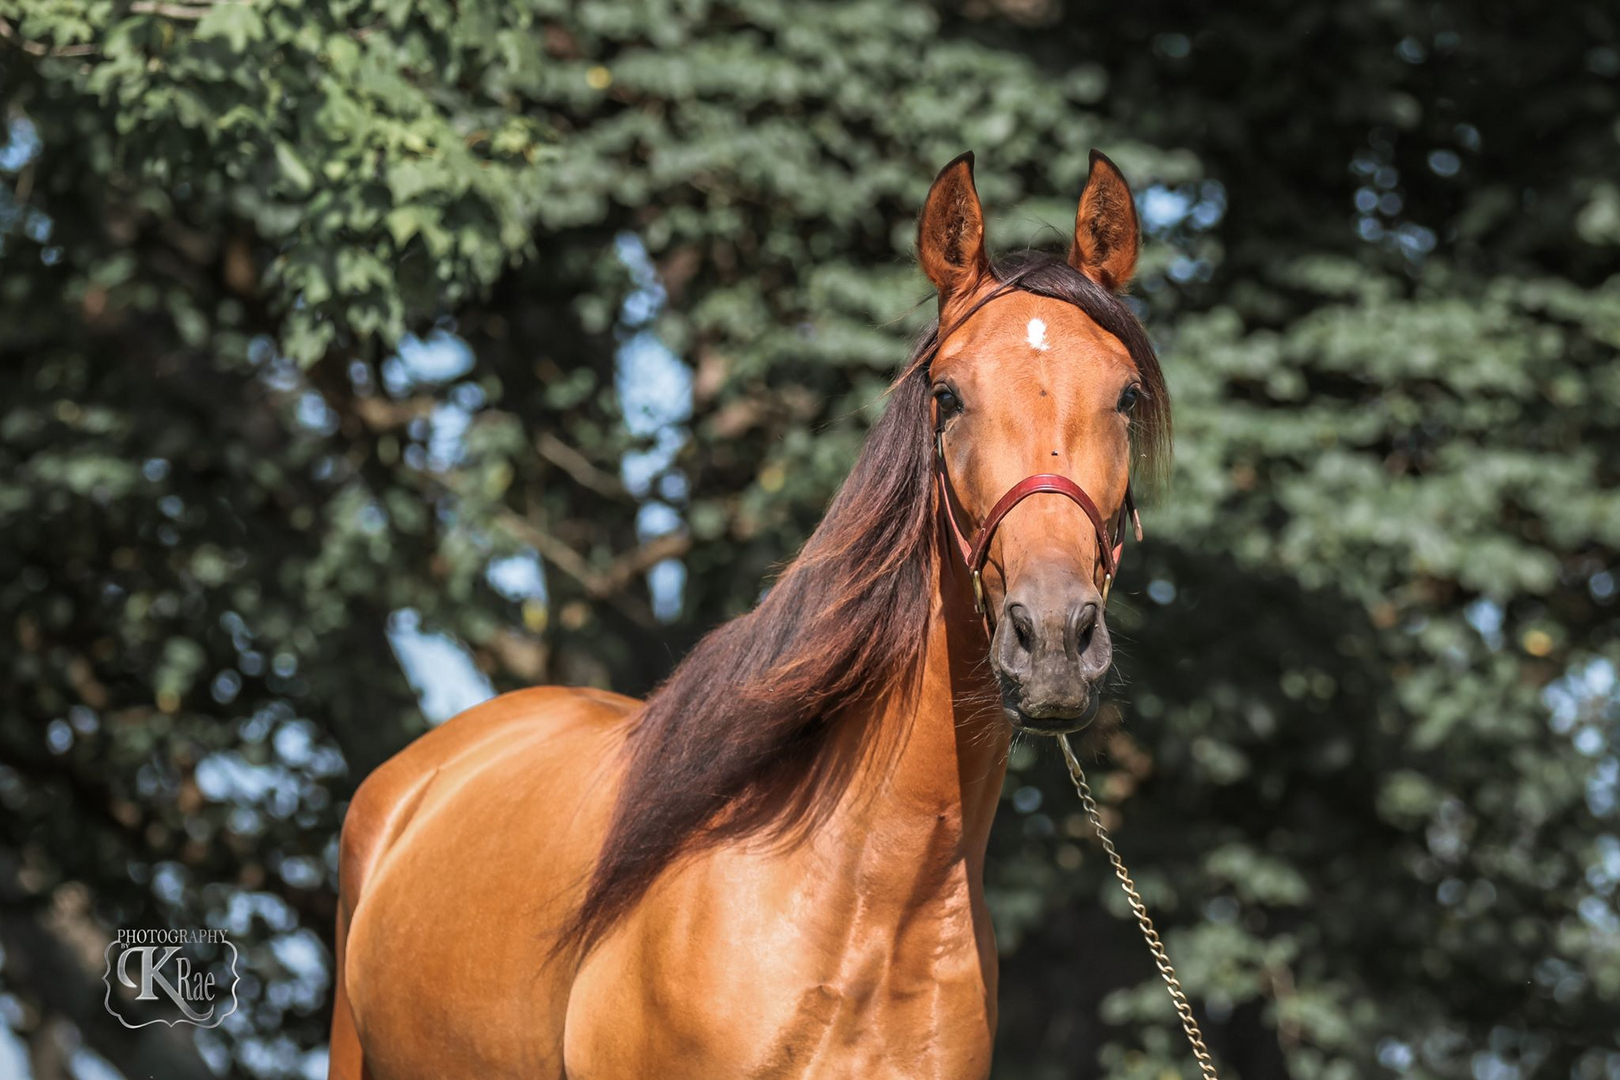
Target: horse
{"type": "Point", "coordinates": [774, 866]}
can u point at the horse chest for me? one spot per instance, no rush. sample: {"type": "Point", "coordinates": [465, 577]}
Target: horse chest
{"type": "Point", "coordinates": [749, 984]}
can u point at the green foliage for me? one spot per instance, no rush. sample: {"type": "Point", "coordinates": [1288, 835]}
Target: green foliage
{"type": "Point", "coordinates": [1363, 760]}
{"type": "Point", "coordinates": [375, 146]}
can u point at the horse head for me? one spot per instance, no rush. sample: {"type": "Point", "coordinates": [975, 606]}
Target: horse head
{"type": "Point", "coordinates": [1042, 385]}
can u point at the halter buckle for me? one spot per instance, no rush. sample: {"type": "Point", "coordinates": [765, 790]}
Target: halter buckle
{"type": "Point", "coordinates": [978, 594]}
{"type": "Point", "coordinates": [1108, 583]}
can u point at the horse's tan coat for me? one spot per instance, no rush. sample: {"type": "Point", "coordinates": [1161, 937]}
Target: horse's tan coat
{"type": "Point", "coordinates": [862, 950]}
{"type": "Point", "coordinates": [857, 947]}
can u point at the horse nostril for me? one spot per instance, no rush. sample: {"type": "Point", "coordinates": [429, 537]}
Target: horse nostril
{"type": "Point", "coordinates": [1023, 627]}
{"type": "Point", "coordinates": [1083, 623]}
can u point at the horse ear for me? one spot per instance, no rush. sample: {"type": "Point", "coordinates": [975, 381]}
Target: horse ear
{"type": "Point", "coordinates": [1106, 232]}
{"type": "Point", "coordinates": [950, 233]}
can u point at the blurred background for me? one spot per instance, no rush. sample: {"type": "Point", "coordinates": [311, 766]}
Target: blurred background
{"type": "Point", "coordinates": [364, 359]}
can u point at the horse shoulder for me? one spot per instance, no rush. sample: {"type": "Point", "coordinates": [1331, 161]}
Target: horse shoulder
{"type": "Point", "coordinates": [387, 799]}
{"type": "Point", "coordinates": [501, 799]}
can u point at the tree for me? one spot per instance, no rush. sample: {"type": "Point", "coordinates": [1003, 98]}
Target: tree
{"type": "Point", "coordinates": [314, 314]}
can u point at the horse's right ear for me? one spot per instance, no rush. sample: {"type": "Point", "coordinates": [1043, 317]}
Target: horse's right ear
{"type": "Point", "coordinates": [950, 233]}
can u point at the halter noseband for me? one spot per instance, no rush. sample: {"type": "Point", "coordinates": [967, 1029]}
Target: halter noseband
{"type": "Point", "coordinates": [1110, 549]}
{"type": "Point", "coordinates": [976, 551]}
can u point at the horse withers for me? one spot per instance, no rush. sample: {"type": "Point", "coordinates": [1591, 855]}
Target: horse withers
{"type": "Point", "coordinates": [773, 867]}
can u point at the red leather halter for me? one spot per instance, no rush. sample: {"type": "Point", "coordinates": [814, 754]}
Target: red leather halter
{"type": "Point", "coordinates": [974, 552]}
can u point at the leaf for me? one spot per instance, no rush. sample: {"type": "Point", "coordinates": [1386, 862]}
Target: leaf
{"type": "Point", "coordinates": [293, 170]}
{"type": "Point", "coordinates": [237, 21]}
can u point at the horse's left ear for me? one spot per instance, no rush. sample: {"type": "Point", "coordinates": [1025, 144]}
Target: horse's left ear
{"type": "Point", "coordinates": [1106, 232]}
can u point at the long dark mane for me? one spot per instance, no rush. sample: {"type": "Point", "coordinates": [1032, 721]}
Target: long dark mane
{"type": "Point", "coordinates": [731, 745]}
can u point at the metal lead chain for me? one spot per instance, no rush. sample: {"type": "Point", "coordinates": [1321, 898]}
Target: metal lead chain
{"type": "Point", "coordinates": [1205, 1063]}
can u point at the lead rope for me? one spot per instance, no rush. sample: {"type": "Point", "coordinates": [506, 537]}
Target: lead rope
{"type": "Point", "coordinates": [1206, 1064]}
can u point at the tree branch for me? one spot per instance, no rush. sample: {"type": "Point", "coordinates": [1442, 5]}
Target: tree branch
{"type": "Point", "coordinates": [187, 12]}
{"type": "Point", "coordinates": [39, 48]}
{"type": "Point", "coordinates": [578, 466]}
{"type": "Point", "coordinates": [606, 584]}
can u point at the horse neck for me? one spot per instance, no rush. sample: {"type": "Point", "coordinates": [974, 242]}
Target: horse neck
{"type": "Point", "coordinates": [931, 776]}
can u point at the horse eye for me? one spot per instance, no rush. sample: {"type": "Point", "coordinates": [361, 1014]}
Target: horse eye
{"type": "Point", "coordinates": [1127, 400]}
{"type": "Point", "coordinates": [948, 402]}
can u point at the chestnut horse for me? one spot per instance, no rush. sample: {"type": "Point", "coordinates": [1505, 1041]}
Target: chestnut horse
{"type": "Point", "coordinates": [773, 867]}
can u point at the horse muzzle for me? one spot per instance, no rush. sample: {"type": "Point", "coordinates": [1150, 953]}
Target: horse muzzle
{"type": "Point", "coordinates": [1050, 652]}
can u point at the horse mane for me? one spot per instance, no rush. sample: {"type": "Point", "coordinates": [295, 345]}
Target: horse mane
{"type": "Point", "coordinates": [734, 742]}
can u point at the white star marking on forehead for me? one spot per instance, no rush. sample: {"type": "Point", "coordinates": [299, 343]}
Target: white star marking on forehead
{"type": "Point", "coordinates": [1036, 335]}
